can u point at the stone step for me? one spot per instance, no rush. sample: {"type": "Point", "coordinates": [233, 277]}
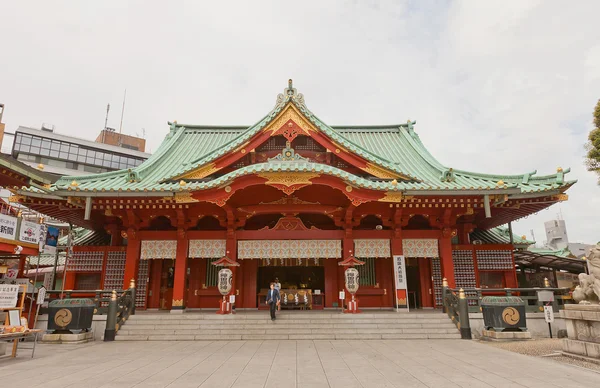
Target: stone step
{"type": "Point", "coordinates": [294, 316]}
{"type": "Point", "coordinates": [131, 331]}
{"type": "Point", "coordinates": [288, 321]}
{"type": "Point", "coordinates": [281, 325]}
{"type": "Point", "coordinates": [183, 337]}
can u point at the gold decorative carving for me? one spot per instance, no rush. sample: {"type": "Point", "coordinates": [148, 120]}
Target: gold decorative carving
{"type": "Point", "coordinates": [228, 189]}
{"type": "Point", "coordinates": [392, 196]}
{"type": "Point", "coordinates": [349, 188]}
{"type": "Point", "coordinates": [382, 173]}
{"type": "Point", "coordinates": [16, 198]}
{"type": "Point", "coordinates": [290, 113]}
{"type": "Point", "coordinates": [561, 197]}
{"type": "Point", "coordinates": [511, 316]}
{"type": "Point", "coordinates": [182, 198]}
{"type": "Point", "coordinates": [292, 200]}
{"type": "Point", "coordinates": [177, 302]}
{"type": "Point", "coordinates": [288, 178]}
{"type": "Point", "coordinates": [200, 172]}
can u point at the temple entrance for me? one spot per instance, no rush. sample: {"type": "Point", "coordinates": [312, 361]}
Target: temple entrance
{"type": "Point", "coordinates": [420, 288]}
{"type": "Point", "coordinates": [302, 286]}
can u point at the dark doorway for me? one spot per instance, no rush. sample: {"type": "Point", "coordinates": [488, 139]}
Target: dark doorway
{"type": "Point", "coordinates": [413, 280]}
{"type": "Point", "coordinates": [293, 277]}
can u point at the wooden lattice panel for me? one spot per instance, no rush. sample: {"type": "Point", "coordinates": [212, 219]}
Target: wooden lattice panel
{"type": "Point", "coordinates": [494, 260]}
{"type": "Point", "coordinates": [464, 269]}
{"type": "Point", "coordinates": [115, 271]}
{"type": "Point", "coordinates": [141, 284]}
{"type": "Point", "coordinates": [85, 262]}
{"type": "Point", "coordinates": [437, 279]}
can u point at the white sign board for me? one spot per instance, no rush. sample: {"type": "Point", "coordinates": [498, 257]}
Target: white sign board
{"type": "Point", "coordinates": [9, 295]}
{"type": "Point", "coordinates": [232, 299]}
{"type": "Point", "coordinates": [18, 282]}
{"type": "Point", "coordinates": [41, 296]}
{"type": "Point", "coordinates": [8, 227]}
{"type": "Point", "coordinates": [29, 232]}
{"type": "Point", "coordinates": [400, 272]}
{"type": "Point", "coordinates": [548, 314]}
{"type": "Point", "coordinates": [11, 274]}
{"type": "Point", "coordinates": [342, 295]}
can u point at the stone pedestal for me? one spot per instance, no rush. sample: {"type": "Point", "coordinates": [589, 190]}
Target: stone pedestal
{"type": "Point", "coordinates": [583, 329]}
{"type": "Point", "coordinates": [493, 335]}
{"type": "Point", "coordinates": [68, 338]}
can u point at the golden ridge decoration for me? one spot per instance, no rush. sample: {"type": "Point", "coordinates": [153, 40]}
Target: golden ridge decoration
{"type": "Point", "coordinates": [177, 302]}
{"type": "Point", "coordinates": [561, 197]}
{"type": "Point", "coordinates": [392, 196]}
{"type": "Point", "coordinates": [200, 172]}
{"type": "Point", "coordinates": [290, 113]}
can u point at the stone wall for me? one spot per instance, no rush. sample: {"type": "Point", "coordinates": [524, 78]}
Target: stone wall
{"type": "Point", "coordinates": [583, 328]}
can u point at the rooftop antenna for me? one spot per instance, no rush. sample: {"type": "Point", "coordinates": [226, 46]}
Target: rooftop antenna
{"type": "Point", "coordinates": [532, 235]}
{"type": "Point", "coordinates": [122, 111]}
{"type": "Point", "coordinates": [105, 123]}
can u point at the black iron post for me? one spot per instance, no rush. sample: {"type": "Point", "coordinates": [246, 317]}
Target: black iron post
{"type": "Point", "coordinates": [111, 318]}
{"type": "Point", "coordinates": [463, 314]}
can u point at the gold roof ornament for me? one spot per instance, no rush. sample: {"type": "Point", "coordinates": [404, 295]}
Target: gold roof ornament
{"type": "Point", "coordinates": [523, 237]}
{"type": "Point", "coordinates": [559, 169]}
{"type": "Point", "coordinates": [500, 183]}
{"type": "Point", "coordinates": [394, 182]}
{"type": "Point", "coordinates": [182, 183]}
{"type": "Point", "coordinates": [74, 183]}
{"type": "Point", "coordinates": [40, 166]}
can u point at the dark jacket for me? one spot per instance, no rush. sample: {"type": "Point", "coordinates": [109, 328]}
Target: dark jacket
{"type": "Point", "coordinates": [275, 297]}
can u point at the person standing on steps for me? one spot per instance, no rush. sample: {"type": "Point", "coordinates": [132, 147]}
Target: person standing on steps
{"type": "Point", "coordinates": [273, 300]}
{"type": "Point", "coordinates": [278, 288]}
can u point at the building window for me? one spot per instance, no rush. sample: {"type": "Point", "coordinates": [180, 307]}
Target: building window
{"type": "Point", "coordinates": [87, 281]}
{"type": "Point", "coordinates": [212, 273]}
{"type": "Point", "coordinates": [366, 272]}
{"type": "Point", "coordinates": [491, 279]}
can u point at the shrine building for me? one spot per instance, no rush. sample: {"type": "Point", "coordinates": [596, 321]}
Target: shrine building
{"type": "Point", "coordinates": [290, 197]}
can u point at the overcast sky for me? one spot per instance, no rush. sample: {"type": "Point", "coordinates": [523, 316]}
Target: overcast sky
{"type": "Point", "coordinates": [497, 87]}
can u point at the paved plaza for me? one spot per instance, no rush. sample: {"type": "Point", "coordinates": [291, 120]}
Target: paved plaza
{"type": "Point", "coordinates": [308, 364]}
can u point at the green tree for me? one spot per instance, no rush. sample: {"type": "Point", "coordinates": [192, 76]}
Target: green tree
{"type": "Point", "coordinates": [593, 145]}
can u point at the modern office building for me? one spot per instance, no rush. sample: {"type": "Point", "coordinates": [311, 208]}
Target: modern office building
{"type": "Point", "coordinates": [66, 155]}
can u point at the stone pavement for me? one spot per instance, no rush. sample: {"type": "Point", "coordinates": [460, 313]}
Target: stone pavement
{"type": "Point", "coordinates": [283, 364]}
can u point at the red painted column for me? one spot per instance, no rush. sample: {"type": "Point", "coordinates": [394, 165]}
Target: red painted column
{"type": "Point", "coordinates": [446, 259]}
{"type": "Point", "coordinates": [331, 281]}
{"type": "Point", "coordinates": [231, 246]}
{"type": "Point", "coordinates": [132, 258]}
{"type": "Point", "coordinates": [181, 258]}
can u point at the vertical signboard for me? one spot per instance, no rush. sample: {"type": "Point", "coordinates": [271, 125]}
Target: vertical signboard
{"type": "Point", "coordinates": [400, 278]}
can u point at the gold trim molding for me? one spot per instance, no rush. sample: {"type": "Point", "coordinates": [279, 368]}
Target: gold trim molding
{"type": "Point", "coordinates": [382, 173]}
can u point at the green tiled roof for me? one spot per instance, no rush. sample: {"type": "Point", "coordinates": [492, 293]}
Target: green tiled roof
{"type": "Point", "coordinates": [499, 235]}
{"type": "Point", "coordinates": [565, 252]}
{"type": "Point", "coordinates": [396, 148]}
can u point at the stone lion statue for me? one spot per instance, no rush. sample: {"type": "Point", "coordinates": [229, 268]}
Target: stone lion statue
{"type": "Point", "coordinates": [588, 290]}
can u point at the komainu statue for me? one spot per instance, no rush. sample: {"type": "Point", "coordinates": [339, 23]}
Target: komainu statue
{"type": "Point", "coordinates": [588, 290]}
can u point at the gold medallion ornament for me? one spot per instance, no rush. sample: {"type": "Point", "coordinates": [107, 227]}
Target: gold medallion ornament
{"type": "Point", "coordinates": [63, 317]}
{"type": "Point", "coordinates": [511, 316]}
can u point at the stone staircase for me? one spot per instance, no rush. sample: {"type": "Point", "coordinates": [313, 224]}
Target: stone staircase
{"type": "Point", "coordinates": [299, 325]}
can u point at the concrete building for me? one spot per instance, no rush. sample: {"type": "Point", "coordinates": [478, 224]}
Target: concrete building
{"type": "Point", "coordinates": [558, 239]}
{"type": "Point", "coordinates": [110, 136]}
{"type": "Point", "coordinates": [66, 155]}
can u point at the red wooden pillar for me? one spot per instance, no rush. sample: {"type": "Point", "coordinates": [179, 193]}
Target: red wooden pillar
{"type": "Point", "coordinates": [446, 259]}
{"type": "Point", "coordinates": [181, 258]}
{"type": "Point", "coordinates": [132, 258]}
{"type": "Point", "coordinates": [330, 268]}
{"type": "Point", "coordinates": [231, 247]}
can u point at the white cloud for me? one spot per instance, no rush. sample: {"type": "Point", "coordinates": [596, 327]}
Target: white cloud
{"type": "Point", "coordinates": [500, 87]}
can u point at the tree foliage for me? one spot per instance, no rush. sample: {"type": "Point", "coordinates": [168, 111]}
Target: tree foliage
{"type": "Point", "coordinates": [593, 145]}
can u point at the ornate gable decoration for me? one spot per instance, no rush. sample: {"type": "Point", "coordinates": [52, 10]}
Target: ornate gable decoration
{"type": "Point", "coordinates": [289, 223]}
{"type": "Point", "coordinates": [288, 155]}
{"type": "Point", "coordinates": [290, 93]}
